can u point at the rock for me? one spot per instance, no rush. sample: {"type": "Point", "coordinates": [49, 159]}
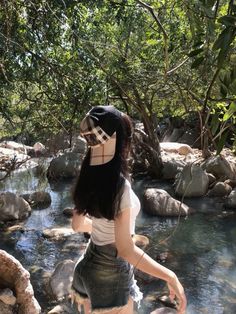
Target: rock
{"type": "Point", "coordinates": [6, 309]}
{"type": "Point", "coordinates": [220, 168]}
{"type": "Point", "coordinates": [68, 212]}
{"type": "Point", "coordinates": [220, 189]}
{"type": "Point", "coordinates": [191, 182]}
{"type": "Point", "coordinates": [64, 166]}
{"type": "Point", "coordinates": [79, 145]}
{"type": "Point", "coordinates": [231, 200]}
{"type": "Point", "coordinates": [62, 309]}
{"type": "Point", "coordinates": [38, 199]}
{"type": "Point", "coordinates": [182, 149]}
{"type": "Point", "coordinates": [21, 148]}
{"type": "Point", "coordinates": [140, 240]}
{"type": "Point", "coordinates": [61, 279]}
{"type": "Point", "coordinates": [15, 276]}
{"type": "Point", "coordinates": [159, 203]}
{"type": "Point", "coordinates": [232, 183]}
{"type": "Point", "coordinates": [211, 178]}
{"type": "Point", "coordinates": [13, 207]}
{"type": "Point", "coordinates": [164, 310]}
{"type": "Point", "coordinates": [171, 168]}
{"type": "Point", "coordinates": [7, 296]}
{"type": "Point", "coordinates": [57, 233]}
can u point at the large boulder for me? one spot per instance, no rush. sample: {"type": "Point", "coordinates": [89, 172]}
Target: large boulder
{"type": "Point", "coordinates": [13, 207]}
{"type": "Point", "coordinates": [220, 167]}
{"type": "Point", "coordinates": [171, 168]}
{"type": "Point", "coordinates": [61, 279]}
{"type": "Point", "coordinates": [193, 181]}
{"type": "Point", "coordinates": [21, 148]}
{"type": "Point", "coordinates": [15, 277]}
{"type": "Point", "coordinates": [79, 145]}
{"type": "Point", "coordinates": [65, 166]}
{"type": "Point", "coordinates": [159, 203]}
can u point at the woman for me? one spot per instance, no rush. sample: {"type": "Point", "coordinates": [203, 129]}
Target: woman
{"type": "Point", "coordinates": [106, 207]}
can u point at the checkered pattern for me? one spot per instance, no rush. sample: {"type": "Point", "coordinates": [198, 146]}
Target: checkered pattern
{"type": "Point", "coordinates": [94, 135]}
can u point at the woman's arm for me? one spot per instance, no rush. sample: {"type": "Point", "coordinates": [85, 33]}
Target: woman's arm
{"type": "Point", "coordinates": [81, 223]}
{"type": "Point", "coordinates": [135, 256]}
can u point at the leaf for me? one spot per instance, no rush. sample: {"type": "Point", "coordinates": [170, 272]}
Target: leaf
{"type": "Point", "coordinates": [195, 52]}
{"type": "Point", "coordinates": [222, 38]}
{"type": "Point", "coordinates": [223, 90]}
{"type": "Point", "coordinates": [221, 142]}
{"type": "Point", "coordinates": [227, 20]}
{"type": "Point", "coordinates": [229, 112]}
{"type": "Point", "coordinates": [197, 62]}
{"type": "Point", "coordinates": [215, 122]}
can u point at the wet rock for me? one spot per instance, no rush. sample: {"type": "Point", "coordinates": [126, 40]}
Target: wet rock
{"type": "Point", "coordinates": [231, 200]}
{"type": "Point", "coordinates": [13, 275]}
{"type": "Point", "coordinates": [220, 189]}
{"type": "Point", "coordinates": [61, 279]}
{"type": "Point", "coordinates": [65, 166]}
{"type": "Point", "coordinates": [13, 207]}
{"type": "Point", "coordinates": [57, 233]}
{"type": "Point", "coordinates": [7, 296]}
{"type": "Point", "coordinates": [68, 212]}
{"type": "Point", "coordinates": [38, 199]}
{"type": "Point", "coordinates": [191, 182]}
{"type": "Point", "coordinates": [159, 203]}
{"type": "Point", "coordinates": [220, 167]}
{"type": "Point", "coordinates": [232, 183]}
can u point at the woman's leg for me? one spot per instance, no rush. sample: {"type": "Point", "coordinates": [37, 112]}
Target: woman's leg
{"type": "Point", "coordinates": [85, 305]}
{"type": "Point", "coordinates": [126, 309]}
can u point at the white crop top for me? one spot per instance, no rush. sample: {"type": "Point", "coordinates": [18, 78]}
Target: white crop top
{"type": "Point", "coordinates": [103, 230]}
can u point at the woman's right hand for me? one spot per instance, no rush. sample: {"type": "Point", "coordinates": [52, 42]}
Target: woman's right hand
{"type": "Point", "coordinates": [177, 291]}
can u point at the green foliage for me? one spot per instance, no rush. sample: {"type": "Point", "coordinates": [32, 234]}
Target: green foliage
{"type": "Point", "coordinates": [60, 57]}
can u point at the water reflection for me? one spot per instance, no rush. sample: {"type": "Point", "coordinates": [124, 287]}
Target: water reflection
{"type": "Point", "coordinates": [201, 248]}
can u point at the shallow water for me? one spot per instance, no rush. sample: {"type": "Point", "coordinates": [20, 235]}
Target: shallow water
{"type": "Point", "coordinates": [201, 248]}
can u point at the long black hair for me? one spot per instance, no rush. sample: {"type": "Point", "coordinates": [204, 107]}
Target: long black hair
{"type": "Point", "coordinates": [99, 188]}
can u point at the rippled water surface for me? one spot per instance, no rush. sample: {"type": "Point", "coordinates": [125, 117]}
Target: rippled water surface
{"type": "Point", "coordinates": [201, 249]}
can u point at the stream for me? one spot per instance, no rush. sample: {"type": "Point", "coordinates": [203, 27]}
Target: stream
{"type": "Point", "coordinates": [201, 248]}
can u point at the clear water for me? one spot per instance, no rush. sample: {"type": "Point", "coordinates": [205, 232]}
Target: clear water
{"type": "Point", "coordinates": [201, 248]}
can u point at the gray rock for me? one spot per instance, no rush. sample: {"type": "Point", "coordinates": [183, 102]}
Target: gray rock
{"type": "Point", "coordinates": [65, 166]}
{"type": "Point", "coordinates": [39, 199]}
{"type": "Point", "coordinates": [159, 203]}
{"type": "Point", "coordinates": [57, 233]}
{"type": "Point", "coordinates": [193, 181]}
{"type": "Point", "coordinates": [220, 189]}
{"type": "Point", "coordinates": [231, 200]}
{"type": "Point", "coordinates": [171, 168]}
{"type": "Point", "coordinates": [13, 207]}
{"type": "Point", "coordinates": [61, 279]}
{"type": "Point", "coordinates": [220, 167]}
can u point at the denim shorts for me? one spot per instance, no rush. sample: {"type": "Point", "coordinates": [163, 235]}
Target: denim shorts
{"type": "Point", "coordinates": [103, 277]}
